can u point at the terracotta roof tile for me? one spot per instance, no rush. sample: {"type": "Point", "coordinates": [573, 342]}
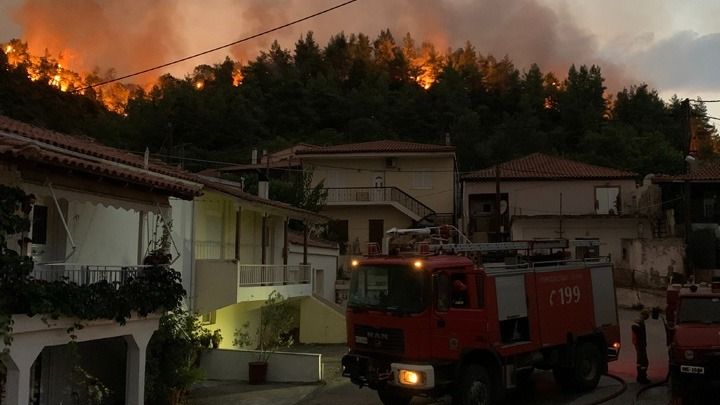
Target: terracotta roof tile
{"type": "Point", "coordinates": [539, 166]}
{"type": "Point", "coordinates": [234, 189]}
{"type": "Point", "coordinates": [384, 146]}
{"type": "Point", "coordinates": [24, 141]}
{"type": "Point", "coordinates": [706, 172]}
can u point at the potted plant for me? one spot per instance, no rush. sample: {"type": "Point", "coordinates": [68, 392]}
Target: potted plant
{"type": "Point", "coordinates": [216, 338]}
{"type": "Point", "coordinates": [277, 321]}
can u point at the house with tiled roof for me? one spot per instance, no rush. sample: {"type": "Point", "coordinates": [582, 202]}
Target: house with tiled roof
{"type": "Point", "coordinates": [243, 248]}
{"type": "Point", "coordinates": [545, 196]}
{"type": "Point", "coordinates": [374, 186]}
{"type": "Point", "coordinates": [691, 203]}
{"type": "Point", "coordinates": [92, 212]}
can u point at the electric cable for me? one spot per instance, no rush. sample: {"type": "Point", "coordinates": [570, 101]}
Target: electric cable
{"type": "Point", "coordinates": [217, 48]}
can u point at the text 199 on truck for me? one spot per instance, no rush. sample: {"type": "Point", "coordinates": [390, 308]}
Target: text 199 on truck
{"type": "Point", "coordinates": [443, 319]}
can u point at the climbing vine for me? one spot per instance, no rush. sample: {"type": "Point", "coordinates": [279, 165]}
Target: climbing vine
{"type": "Point", "coordinates": [154, 289]}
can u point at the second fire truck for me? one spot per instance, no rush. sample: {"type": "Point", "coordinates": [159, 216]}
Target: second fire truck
{"type": "Point", "coordinates": [444, 320]}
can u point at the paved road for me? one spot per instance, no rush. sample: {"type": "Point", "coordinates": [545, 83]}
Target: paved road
{"type": "Point", "coordinates": [544, 391]}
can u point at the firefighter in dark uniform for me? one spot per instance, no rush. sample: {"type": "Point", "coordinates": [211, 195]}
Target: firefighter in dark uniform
{"type": "Point", "coordinates": [639, 337]}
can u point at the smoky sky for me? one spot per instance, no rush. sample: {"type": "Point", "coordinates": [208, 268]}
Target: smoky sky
{"type": "Point", "coordinates": [133, 35]}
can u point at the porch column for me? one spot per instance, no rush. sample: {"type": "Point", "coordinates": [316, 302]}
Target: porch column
{"type": "Point", "coordinates": [135, 367]}
{"type": "Point", "coordinates": [18, 364]}
{"type": "Point", "coordinates": [238, 226]}
{"type": "Point", "coordinates": [285, 252]}
{"type": "Point", "coordinates": [305, 243]}
{"type": "Point", "coordinates": [141, 242]}
{"type": "Point", "coordinates": [263, 250]}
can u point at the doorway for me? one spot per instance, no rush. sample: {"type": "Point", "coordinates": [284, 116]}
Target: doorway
{"type": "Point", "coordinates": [376, 231]}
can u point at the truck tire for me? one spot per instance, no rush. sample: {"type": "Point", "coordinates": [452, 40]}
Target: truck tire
{"type": "Point", "coordinates": [588, 367]}
{"type": "Point", "coordinates": [475, 387]}
{"type": "Point", "coordinates": [585, 372]}
{"type": "Point", "coordinates": [390, 396]}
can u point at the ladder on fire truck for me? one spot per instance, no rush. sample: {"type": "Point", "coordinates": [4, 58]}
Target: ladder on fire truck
{"type": "Point", "coordinates": [480, 247]}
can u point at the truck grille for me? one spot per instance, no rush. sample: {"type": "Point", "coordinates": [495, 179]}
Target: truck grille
{"type": "Point", "coordinates": [379, 339]}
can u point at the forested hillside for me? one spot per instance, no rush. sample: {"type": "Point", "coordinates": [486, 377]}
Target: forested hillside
{"type": "Point", "coordinates": [354, 89]}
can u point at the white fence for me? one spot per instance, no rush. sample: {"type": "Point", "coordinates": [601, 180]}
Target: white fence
{"type": "Point", "coordinates": [271, 274]}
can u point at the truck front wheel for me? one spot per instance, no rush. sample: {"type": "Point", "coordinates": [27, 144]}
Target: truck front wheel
{"type": "Point", "coordinates": [476, 388]}
{"type": "Point", "coordinates": [391, 396]}
{"type": "Point", "coordinates": [588, 367]}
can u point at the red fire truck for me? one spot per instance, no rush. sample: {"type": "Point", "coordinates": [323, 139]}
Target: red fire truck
{"type": "Point", "coordinates": [693, 319]}
{"type": "Point", "coordinates": [436, 322]}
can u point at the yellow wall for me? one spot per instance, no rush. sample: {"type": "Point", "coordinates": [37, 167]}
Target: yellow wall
{"type": "Point", "coordinates": [358, 218]}
{"type": "Point", "coordinates": [320, 324]}
{"type": "Point", "coordinates": [233, 317]}
{"type": "Point", "coordinates": [347, 171]}
{"type": "Point", "coordinates": [215, 223]}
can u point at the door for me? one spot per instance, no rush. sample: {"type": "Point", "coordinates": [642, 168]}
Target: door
{"type": "Point", "coordinates": [458, 317]}
{"type": "Point", "coordinates": [376, 231]}
{"type": "Point", "coordinates": [379, 184]}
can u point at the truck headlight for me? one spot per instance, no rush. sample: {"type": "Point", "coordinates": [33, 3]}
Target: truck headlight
{"type": "Point", "coordinates": [409, 377]}
{"type": "Point", "coordinates": [689, 355]}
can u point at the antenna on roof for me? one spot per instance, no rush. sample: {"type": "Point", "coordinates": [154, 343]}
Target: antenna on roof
{"type": "Point", "coordinates": [146, 162]}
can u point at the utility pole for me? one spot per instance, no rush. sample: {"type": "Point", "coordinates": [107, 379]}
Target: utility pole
{"type": "Point", "coordinates": [686, 192]}
{"type": "Point", "coordinates": [498, 215]}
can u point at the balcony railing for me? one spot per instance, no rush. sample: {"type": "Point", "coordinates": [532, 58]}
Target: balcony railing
{"type": "Point", "coordinates": [271, 274]}
{"type": "Point", "coordinates": [83, 274]}
{"type": "Point", "coordinates": [378, 195]}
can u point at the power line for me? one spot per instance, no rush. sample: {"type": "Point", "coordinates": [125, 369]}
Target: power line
{"type": "Point", "coordinates": [327, 10]}
{"type": "Point", "coordinates": [701, 101]}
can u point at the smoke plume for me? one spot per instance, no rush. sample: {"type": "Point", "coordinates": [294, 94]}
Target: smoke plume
{"type": "Point", "coordinates": [131, 36]}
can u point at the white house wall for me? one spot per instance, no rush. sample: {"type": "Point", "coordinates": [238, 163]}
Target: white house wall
{"type": "Point", "coordinates": [322, 259]}
{"type": "Point", "coordinates": [543, 197]}
{"type": "Point", "coordinates": [435, 191]}
{"type": "Point", "coordinates": [103, 235]}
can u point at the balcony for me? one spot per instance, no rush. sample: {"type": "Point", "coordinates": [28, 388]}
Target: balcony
{"type": "Point", "coordinates": [85, 274]}
{"type": "Point", "coordinates": [378, 196]}
{"type": "Point", "coordinates": [220, 283]}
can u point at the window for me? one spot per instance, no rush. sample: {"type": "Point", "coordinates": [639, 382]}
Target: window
{"type": "Point", "coordinates": [709, 207]}
{"type": "Point", "coordinates": [442, 292]}
{"type": "Point", "coordinates": [208, 318]}
{"type": "Point", "coordinates": [607, 200]}
{"type": "Point", "coordinates": [460, 298]}
{"type": "Point", "coordinates": [39, 224]}
{"type": "Point", "coordinates": [422, 180]}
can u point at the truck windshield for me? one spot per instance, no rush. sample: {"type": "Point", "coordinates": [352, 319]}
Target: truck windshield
{"type": "Point", "coordinates": [388, 288]}
{"type": "Point", "coordinates": [701, 309]}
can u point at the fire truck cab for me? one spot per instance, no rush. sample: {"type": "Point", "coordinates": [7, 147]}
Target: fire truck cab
{"type": "Point", "coordinates": [437, 322]}
{"type": "Point", "coordinates": [693, 319]}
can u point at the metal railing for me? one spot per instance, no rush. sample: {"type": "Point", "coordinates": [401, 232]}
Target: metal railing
{"type": "Point", "coordinates": [378, 194]}
{"type": "Point", "coordinates": [272, 274]}
{"type": "Point", "coordinates": [84, 274]}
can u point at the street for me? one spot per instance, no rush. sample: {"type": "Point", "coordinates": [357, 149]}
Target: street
{"type": "Point", "coordinates": [544, 391]}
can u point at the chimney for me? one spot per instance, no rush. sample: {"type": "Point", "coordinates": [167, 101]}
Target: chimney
{"type": "Point", "coordinates": [253, 160]}
{"type": "Point", "coordinates": [264, 189]}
